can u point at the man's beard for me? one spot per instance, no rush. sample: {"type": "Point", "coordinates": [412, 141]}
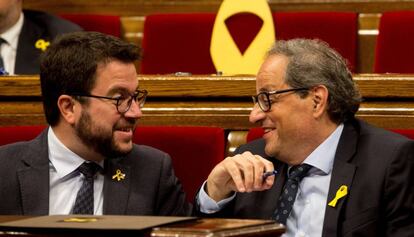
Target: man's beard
{"type": "Point", "coordinates": [100, 140]}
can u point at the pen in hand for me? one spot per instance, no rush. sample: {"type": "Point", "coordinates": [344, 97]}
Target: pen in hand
{"type": "Point", "coordinates": [269, 173]}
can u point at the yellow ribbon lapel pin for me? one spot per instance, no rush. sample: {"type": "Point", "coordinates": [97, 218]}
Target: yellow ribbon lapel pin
{"type": "Point", "coordinates": [342, 192]}
{"type": "Point", "coordinates": [118, 175]}
{"type": "Point", "coordinates": [42, 44]}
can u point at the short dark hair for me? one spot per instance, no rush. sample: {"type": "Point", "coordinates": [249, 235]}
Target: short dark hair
{"type": "Point", "coordinates": [69, 65]}
{"type": "Point", "coordinates": [312, 63]}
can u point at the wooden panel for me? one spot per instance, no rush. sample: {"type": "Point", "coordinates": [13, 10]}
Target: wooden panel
{"type": "Point", "coordinates": [215, 101]}
{"type": "Point", "coordinates": [370, 85]}
{"type": "Point", "coordinates": [232, 116]}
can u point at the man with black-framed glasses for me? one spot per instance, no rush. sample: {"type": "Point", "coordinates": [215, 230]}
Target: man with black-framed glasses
{"type": "Point", "coordinates": [86, 161]}
{"type": "Point", "coordinates": [318, 170]}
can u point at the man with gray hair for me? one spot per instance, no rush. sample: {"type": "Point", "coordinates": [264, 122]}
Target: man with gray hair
{"type": "Point", "coordinates": [317, 169]}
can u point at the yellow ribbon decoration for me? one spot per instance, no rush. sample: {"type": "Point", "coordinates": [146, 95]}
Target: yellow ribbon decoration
{"type": "Point", "coordinates": [342, 192]}
{"type": "Point", "coordinates": [42, 44]}
{"type": "Point", "coordinates": [119, 175]}
{"type": "Point", "coordinates": [225, 54]}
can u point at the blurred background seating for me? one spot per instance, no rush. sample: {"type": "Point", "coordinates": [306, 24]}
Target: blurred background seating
{"type": "Point", "coordinates": [132, 15]}
{"type": "Point", "coordinates": [194, 151]}
{"type": "Point", "coordinates": [395, 47]}
{"type": "Point", "coordinates": [181, 42]}
{"type": "Point", "coordinates": [108, 24]}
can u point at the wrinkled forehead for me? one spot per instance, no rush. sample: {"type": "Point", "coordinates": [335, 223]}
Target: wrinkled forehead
{"type": "Point", "coordinates": [8, 5]}
{"type": "Point", "coordinates": [271, 75]}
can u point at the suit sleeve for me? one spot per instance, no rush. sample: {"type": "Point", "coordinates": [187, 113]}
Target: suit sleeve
{"type": "Point", "coordinates": [171, 199]}
{"type": "Point", "coordinates": [399, 192]}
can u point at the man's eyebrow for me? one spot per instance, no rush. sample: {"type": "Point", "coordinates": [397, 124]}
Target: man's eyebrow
{"type": "Point", "coordinates": [267, 88]}
{"type": "Point", "coordinates": [117, 90]}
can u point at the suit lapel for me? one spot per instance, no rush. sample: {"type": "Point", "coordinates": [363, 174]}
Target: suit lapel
{"type": "Point", "coordinates": [33, 176]}
{"type": "Point", "coordinates": [27, 55]}
{"type": "Point", "coordinates": [342, 174]}
{"type": "Point", "coordinates": [116, 191]}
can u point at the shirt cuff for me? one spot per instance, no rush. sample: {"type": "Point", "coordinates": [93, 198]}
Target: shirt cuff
{"type": "Point", "coordinates": [208, 205]}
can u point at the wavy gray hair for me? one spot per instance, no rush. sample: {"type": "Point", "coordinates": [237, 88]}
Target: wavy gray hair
{"type": "Point", "coordinates": [313, 63]}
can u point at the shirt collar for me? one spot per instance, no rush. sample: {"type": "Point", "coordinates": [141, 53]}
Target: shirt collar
{"type": "Point", "coordinates": [323, 156]}
{"type": "Point", "coordinates": [63, 160]}
{"type": "Point", "coordinates": [11, 36]}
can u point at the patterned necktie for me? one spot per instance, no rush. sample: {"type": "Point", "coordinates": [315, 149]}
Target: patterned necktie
{"type": "Point", "coordinates": [84, 198]}
{"type": "Point", "coordinates": [288, 196]}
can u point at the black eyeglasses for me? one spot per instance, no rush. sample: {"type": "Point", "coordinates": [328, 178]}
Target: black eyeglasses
{"type": "Point", "coordinates": [263, 98]}
{"type": "Point", "coordinates": [123, 102]}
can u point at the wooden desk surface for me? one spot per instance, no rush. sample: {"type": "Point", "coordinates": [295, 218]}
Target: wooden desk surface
{"type": "Point", "coordinates": [210, 227]}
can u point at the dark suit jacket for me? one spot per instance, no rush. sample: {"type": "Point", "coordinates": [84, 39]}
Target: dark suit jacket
{"type": "Point", "coordinates": [149, 188]}
{"type": "Point", "coordinates": [378, 168]}
{"type": "Point", "coordinates": [38, 25]}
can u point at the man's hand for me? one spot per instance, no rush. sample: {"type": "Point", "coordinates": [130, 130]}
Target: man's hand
{"type": "Point", "coordinates": [240, 173]}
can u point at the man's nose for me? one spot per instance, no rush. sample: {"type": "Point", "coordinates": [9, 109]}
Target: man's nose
{"type": "Point", "coordinates": [135, 111]}
{"type": "Point", "coordinates": [256, 115]}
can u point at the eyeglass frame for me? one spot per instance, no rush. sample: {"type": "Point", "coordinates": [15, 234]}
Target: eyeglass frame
{"type": "Point", "coordinates": [275, 92]}
{"type": "Point", "coordinates": [119, 98]}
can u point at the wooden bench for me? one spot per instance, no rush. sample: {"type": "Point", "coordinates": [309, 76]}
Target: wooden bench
{"type": "Point", "coordinates": [215, 101]}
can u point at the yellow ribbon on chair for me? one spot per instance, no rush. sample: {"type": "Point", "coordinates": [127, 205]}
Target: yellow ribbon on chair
{"type": "Point", "coordinates": [225, 54]}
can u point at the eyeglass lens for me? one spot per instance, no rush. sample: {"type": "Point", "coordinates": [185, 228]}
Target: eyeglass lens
{"type": "Point", "coordinates": [125, 103]}
{"type": "Point", "coordinates": [263, 100]}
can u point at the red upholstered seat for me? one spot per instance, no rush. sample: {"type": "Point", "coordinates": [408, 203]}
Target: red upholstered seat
{"type": "Point", "coordinates": [14, 134]}
{"type": "Point", "coordinates": [177, 43]}
{"type": "Point", "coordinates": [255, 133]}
{"type": "Point", "coordinates": [406, 132]}
{"type": "Point", "coordinates": [338, 29]}
{"type": "Point", "coordinates": [194, 151]}
{"type": "Point", "coordinates": [181, 42]}
{"type": "Point", "coordinates": [108, 24]}
{"type": "Point", "coordinates": [395, 45]}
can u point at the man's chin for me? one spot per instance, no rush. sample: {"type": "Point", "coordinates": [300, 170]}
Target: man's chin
{"type": "Point", "coordinates": [117, 151]}
{"type": "Point", "coordinates": [270, 151]}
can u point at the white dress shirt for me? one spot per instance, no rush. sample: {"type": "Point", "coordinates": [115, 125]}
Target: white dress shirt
{"type": "Point", "coordinates": [308, 212]}
{"type": "Point", "coordinates": [65, 180]}
{"type": "Point", "coordinates": [8, 49]}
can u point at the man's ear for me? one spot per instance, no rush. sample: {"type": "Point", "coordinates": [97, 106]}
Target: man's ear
{"type": "Point", "coordinates": [320, 100]}
{"type": "Point", "coordinates": [66, 106]}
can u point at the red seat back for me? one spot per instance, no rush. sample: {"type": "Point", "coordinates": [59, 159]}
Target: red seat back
{"type": "Point", "coordinates": [194, 151]}
{"type": "Point", "coordinates": [14, 134]}
{"type": "Point", "coordinates": [254, 133]}
{"type": "Point", "coordinates": [405, 132]}
{"type": "Point", "coordinates": [108, 24]}
{"type": "Point", "coordinates": [338, 29]}
{"type": "Point", "coordinates": [181, 42]}
{"type": "Point", "coordinates": [177, 43]}
{"type": "Point", "coordinates": [395, 46]}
